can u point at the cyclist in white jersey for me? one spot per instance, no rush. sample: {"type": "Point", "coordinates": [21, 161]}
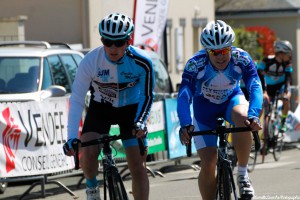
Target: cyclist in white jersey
{"type": "Point", "coordinates": [211, 82]}
{"type": "Point", "coordinates": [121, 80]}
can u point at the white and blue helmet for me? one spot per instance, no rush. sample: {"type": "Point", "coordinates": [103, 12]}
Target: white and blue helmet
{"type": "Point", "coordinates": [217, 35]}
{"type": "Point", "coordinates": [116, 27]}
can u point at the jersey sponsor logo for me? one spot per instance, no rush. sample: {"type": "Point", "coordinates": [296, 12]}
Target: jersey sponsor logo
{"type": "Point", "coordinates": [218, 89]}
{"type": "Point", "coordinates": [116, 86]}
{"type": "Point", "coordinates": [190, 66]}
{"type": "Point", "coordinates": [194, 65]}
{"type": "Point", "coordinates": [107, 99]}
{"type": "Point", "coordinates": [109, 91]}
{"type": "Point", "coordinates": [129, 75]}
{"type": "Point", "coordinates": [103, 72]}
{"type": "Point", "coordinates": [239, 58]}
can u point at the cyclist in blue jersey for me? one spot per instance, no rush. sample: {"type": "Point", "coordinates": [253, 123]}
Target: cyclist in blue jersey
{"type": "Point", "coordinates": [121, 80]}
{"type": "Point", "coordinates": [277, 70]}
{"type": "Point", "coordinates": [210, 82]}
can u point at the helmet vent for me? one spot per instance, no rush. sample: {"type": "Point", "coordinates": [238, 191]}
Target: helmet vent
{"type": "Point", "coordinates": [217, 36]}
{"type": "Point", "coordinates": [120, 26]}
{"type": "Point", "coordinates": [114, 27]}
{"type": "Point", "coordinates": [108, 25]}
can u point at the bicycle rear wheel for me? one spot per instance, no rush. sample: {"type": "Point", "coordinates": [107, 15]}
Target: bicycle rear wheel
{"type": "Point", "coordinates": [116, 186]}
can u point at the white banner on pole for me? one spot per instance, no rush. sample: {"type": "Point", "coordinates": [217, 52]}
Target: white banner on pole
{"type": "Point", "coordinates": [32, 136]}
{"type": "Point", "coordinates": [150, 20]}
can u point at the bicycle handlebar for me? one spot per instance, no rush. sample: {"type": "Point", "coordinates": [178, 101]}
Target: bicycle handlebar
{"type": "Point", "coordinates": [223, 130]}
{"type": "Point", "coordinates": [105, 139]}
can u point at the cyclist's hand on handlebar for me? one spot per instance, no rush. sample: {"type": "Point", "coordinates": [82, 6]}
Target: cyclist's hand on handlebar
{"type": "Point", "coordinates": [254, 124]}
{"type": "Point", "coordinates": [184, 135]}
{"type": "Point", "coordinates": [139, 130]}
{"type": "Point", "coordinates": [70, 146]}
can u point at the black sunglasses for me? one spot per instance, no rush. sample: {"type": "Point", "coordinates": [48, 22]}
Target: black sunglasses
{"type": "Point", "coordinates": [117, 43]}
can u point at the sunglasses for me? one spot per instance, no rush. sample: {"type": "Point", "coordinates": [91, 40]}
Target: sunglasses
{"type": "Point", "coordinates": [224, 51]}
{"type": "Point", "coordinates": [117, 43]}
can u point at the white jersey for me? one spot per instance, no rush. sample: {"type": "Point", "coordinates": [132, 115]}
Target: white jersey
{"type": "Point", "coordinates": [129, 81]}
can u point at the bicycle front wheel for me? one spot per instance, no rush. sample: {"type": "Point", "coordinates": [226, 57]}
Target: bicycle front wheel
{"type": "Point", "coordinates": [277, 141]}
{"type": "Point", "coordinates": [225, 187]}
{"type": "Point", "coordinates": [116, 186]}
{"type": "Point", "coordinates": [266, 129]}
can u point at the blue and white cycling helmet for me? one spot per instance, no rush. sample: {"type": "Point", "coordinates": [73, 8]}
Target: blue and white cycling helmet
{"type": "Point", "coordinates": [116, 27]}
{"type": "Point", "coordinates": [217, 35]}
{"type": "Point", "coordinates": [283, 46]}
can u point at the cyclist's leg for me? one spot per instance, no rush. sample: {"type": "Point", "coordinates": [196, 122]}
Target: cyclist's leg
{"type": "Point", "coordinates": [237, 112]}
{"type": "Point", "coordinates": [206, 146]}
{"type": "Point", "coordinates": [207, 179]}
{"type": "Point", "coordinates": [137, 167]}
{"type": "Point", "coordinates": [94, 125]}
{"type": "Point", "coordinates": [286, 104]}
{"type": "Point", "coordinates": [136, 162]}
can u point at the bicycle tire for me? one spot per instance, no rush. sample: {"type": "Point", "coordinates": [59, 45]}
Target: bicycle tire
{"type": "Point", "coordinates": [252, 159]}
{"type": "Point", "coordinates": [116, 188]}
{"type": "Point", "coordinates": [226, 186]}
{"type": "Point", "coordinates": [278, 144]}
{"type": "Point", "coordinates": [264, 149]}
{"type": "Point", "coordinates": [232, 156]}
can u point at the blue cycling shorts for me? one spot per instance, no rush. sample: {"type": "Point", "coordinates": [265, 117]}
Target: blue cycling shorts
{"type": "Point", "coordinates": [206, 114]}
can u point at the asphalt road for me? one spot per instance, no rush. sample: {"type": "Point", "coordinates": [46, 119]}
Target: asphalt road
{"type": "Point", "coordinates": [271, 180]}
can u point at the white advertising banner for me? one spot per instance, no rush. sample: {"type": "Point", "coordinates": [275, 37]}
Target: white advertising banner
{"type": "Point", "coordinates": [150, 21]}
{"type": "Point", "coordinates": [156, 120]}
{"type": "Point", "coordinates": [32, 136]}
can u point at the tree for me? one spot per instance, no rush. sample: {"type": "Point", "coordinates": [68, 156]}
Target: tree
{"type": "Point", "coordinates": [248, 41]}
{"type": "Point", "coordinates": [266, 38]}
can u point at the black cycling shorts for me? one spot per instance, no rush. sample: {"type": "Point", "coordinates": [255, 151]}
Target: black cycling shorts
{"type": "Point", "coordinates": [272, 89]}
{"type": "Point", "coordinates": [100, 117]}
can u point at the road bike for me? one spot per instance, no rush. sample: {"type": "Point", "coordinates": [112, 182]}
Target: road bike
{"type": "Point", "coordinates": [226, 189]}
{"type": "Point", "coordinates": [272, 141]}
{"type": "Point", "coordinates": [112, 179]}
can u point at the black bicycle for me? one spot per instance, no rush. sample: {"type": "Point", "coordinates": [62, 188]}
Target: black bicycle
{"type": "Point", "coordinates": [272, 134]}
{"type": "Point", "coordinates": [112, 179]}
{"type": "Point", "coordinates": [226, 189]}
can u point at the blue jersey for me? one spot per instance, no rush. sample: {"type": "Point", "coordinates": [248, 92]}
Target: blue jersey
{"type": "Point", "coordinates": [129, 81]}
{"type": "Point", "coordinates": [201, 81]}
